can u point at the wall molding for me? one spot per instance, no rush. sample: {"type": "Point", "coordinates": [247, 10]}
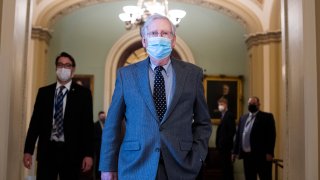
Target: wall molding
{"type": "Point", "coordinates": [42, 34]}
{"type": "Point", "coordinates": [263, 38]}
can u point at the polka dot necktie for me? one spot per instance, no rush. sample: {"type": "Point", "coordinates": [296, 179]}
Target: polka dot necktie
{"type": "Point", "coordinates": [58, 115]}
{"type": "Point", "coordinates": [159, 93]}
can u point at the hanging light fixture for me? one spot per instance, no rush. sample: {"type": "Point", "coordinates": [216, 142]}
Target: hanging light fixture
{"type": "Point", "coordinates": [134, 16]}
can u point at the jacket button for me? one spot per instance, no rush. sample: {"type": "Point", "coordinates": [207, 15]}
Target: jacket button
{"type": "Point", "coordinates": [157, 149]}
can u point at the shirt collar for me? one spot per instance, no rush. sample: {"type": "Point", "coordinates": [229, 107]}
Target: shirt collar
{"type": "Point", "coordinates": [165, 66]}
{"type": "Point", "coordinates": [68, 85]}
{"type": "Point", "coordinates": [253, 114]}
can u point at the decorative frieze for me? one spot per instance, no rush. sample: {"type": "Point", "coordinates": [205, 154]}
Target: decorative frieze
{"type": "Point", "coordinates": [219, 8]}
{"type": "Point", "coordinates": [42, 34]}
{"type": "Point", "coordinates": [263, 38]}
{"type": "Point", "coordinates": [203, 3]}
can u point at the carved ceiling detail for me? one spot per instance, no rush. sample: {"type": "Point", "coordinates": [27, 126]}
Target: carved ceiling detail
{"type": "Point", "coordinates": [202, 3]}
{"type": "Point", "coordinates": [263, 38]}
{"type": "Point", "coordinates": [42, 34]}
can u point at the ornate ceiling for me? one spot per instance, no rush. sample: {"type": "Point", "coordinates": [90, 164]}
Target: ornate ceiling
{"type": "Point", "coordinates": [255, 15]}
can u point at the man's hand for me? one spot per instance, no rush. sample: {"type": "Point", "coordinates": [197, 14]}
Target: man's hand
{"type": "Point", "coordinates": [86, 164]}
{"type": "Point", "coordinates": [269, 157]}
{"type": "Point", "coordinates": [27, 160]}
{"type": "Point", "coordinates": [109, 176]}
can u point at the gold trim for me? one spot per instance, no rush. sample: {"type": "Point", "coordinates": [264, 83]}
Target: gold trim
{"type": "Point", "coordinates": [212, 92]}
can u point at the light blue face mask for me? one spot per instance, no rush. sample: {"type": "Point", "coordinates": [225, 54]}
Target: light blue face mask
{"type": "Point", "coordinates": [159, 47]}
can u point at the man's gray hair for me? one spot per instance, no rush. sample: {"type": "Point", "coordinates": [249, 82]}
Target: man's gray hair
{"type": "Point", "coordinates": [143, 30]}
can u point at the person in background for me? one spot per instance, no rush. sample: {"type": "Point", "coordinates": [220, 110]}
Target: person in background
{"type": "Point", "coordinates": [62, 123]}
{"type": "Point", "coordinates": [224, 138]}
{"type": "Point", "coordinates": [167, 121]}
{"type": "Point", "coordinates": [255, 141]}
{"type": "Point", "coordinates": [98, 126]}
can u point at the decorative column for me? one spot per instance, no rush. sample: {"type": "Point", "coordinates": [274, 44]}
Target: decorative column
{"type": "Point", "coordinates": [36, 76]}
{"type": "Point", "coordinates": [40, 39]}
{"type": "Point", "coordinates": [14, 39]}
{"type": "Point", "coordinates": [264, 51]}
{"type": "Point", "coordinates": [265, 81]}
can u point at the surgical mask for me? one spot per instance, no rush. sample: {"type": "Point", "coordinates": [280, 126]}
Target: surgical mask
{"type": "Point", "coordinates": [159, 47]}
{"type": "Point", "coordinates": [221, 108]}
{"type": "Point", "coordinates": [252, 108]}
{"type": "Point", "coordinates": [63, 74]}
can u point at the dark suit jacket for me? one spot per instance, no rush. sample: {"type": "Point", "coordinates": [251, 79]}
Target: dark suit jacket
{"type": "Point", "coordinates": [262, 137]}
{"type": "Point", "coordinates": [225, 132]}
{"type": "Point", "coordinates": [78, 123]}
{"type": "Point", "coordinates": [97, 138]}
{"type": "Point", "coordinates": [182, 136]}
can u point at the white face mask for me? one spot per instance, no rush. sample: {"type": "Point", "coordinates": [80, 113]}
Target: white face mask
{"type": "Point", "coordinates": [221, 108]}
{"type": "Point", "coordinates": [63, 74]}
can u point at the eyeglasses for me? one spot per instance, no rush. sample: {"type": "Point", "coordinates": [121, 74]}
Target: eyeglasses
{"type": "Point", "coordinates": [61, 65]}
{"type": "Point", "coordinates": [162, 34]}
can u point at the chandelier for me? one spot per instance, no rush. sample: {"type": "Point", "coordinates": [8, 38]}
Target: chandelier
{"type": "Point", "coordinates": [134, 16]}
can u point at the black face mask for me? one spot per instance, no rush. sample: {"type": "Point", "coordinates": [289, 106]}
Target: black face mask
{"type": "Point", "coordinates": [252, 108]}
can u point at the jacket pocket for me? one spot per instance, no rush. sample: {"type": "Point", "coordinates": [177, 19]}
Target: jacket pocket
{"type": "Point", "coordinates": [185, 145]}
{"type": "Point", "coordinates": [131, 146]}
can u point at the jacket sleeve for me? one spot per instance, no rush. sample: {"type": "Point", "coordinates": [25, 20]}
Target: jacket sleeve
{"type": "Point", "coordinates": [202, 127]}
{"type": "Point", "coordinates": [271, 134]}
{"type": "Point", "coordinates": [111, 136]}
{"type": "Point", "coordinates": [87, 126]}
{"type": "Point", "coordinates": [34, 125]}
{"type": "Point", "coordinates": [236, 146]}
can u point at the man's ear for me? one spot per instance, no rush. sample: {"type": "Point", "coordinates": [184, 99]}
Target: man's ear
{"type": "Point", "coordinates": [173, 42]}
{"type": "Point", "coordinates": [144, 43]}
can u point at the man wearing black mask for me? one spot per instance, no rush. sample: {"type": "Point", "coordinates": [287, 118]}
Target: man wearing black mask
{"type": "Point", "coordinates": [255, 141]}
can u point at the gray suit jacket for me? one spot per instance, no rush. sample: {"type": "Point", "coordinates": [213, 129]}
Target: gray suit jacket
{"type": "Point", "coordinates": [182, 136]}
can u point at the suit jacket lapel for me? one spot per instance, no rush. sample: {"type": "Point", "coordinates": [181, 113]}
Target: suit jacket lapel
{"type": "Point", "coordinates": [245, 118]}
{"type": "Point", "coordinates": [179, 78]}
{"type": "Point", "coordinates": [70, 95]}
{"type": "Point", "coordinates": [51, 98]}
{"type": "Point", "coordinates": [142, 72]}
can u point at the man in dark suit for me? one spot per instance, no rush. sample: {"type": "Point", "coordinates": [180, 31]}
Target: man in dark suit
{"type": "Point", "coordinates": [62, 122]}
{"type": "Point", "coordinates": [98, 126]}
{"type": "Point", "coordinates": [255, 141]}
{"type": "Point", "coordinates": [167, 120]}
{"type": "Point", "coordinates": [224, 138]}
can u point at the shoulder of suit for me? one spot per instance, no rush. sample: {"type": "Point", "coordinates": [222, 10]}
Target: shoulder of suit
{"type": "Point", "coordinates": [184, 64]}
{"type": "Point", "coordinates": [50, 86]}
{"type": "Point", "coordinates": [134, 65]}
{"type": "Point", "coordinates": [265, 113]}
{"type": "Point", "coordinates": [76, 87]}
{"type": "Point", "coordinates": [230, 114]}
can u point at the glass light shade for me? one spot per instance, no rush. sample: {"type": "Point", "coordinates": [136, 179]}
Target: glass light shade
{"type": "Point", "coordinates": [131, 9]}
{"type": "Point", "coordinates": [136, 15]}
{"type": "Point", "coordinates": [177, 13]}
{"type": "Point", "coordinates": [155, 7]}
{"type": "Point", "coordinates": [125, 17]}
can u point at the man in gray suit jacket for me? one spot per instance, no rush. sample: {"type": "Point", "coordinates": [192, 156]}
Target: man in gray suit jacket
{"type": "Point", "coordinates": [165, 139]}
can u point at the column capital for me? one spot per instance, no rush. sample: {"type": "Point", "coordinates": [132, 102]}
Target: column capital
{"type": "Point", "coordinates": [40, 33]}
{"type": "Point", "coordinates": [263, 38]}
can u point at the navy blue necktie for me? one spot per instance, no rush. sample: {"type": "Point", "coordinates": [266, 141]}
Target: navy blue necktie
{"type": "Point", "coordinates": [159, 93]}
{"type": "Point", "coordinates": [58, 115]}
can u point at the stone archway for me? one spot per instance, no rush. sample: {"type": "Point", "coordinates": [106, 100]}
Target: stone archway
{"type": "Point", "coordinates": [49, 11]}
